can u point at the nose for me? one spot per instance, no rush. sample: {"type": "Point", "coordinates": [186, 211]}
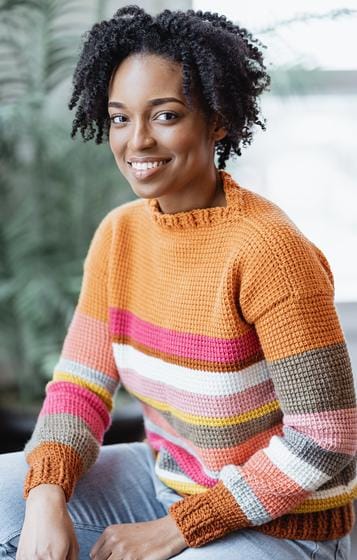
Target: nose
{"type": "Point", "coordinates": [141, 136]}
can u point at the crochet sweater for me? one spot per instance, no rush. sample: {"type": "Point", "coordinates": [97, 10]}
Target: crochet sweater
{"type": "Point", "coordinates": [221, 322]}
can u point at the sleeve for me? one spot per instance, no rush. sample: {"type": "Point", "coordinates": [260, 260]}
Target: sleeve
{"type": "Point", "coordinates": [286, 291]}
{"type": "Point", "coordinates": [79, 398]}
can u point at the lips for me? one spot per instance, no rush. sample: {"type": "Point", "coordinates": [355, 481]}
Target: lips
{"type": "Point", "coordinates": [147, 160]}
{"type": "Point", "coordinates": [154, 164]}
{"type": "Point", "coordinates": [144, 173]}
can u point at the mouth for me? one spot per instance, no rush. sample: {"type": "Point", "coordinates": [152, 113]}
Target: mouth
{"type": "Point", "coordinates": [143, 170]}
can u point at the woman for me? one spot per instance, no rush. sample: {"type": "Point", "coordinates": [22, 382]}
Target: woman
{"type": "Point", "coordinates": [212, 308]}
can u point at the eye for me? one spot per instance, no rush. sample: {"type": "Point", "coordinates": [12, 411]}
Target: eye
{"type": "Point", "coordinates": [117, 117]}
{"type": "Point", "coordinates": [167, 113]}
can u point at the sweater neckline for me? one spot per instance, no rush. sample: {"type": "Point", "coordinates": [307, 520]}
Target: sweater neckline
{"type": "Point", "coordinates": [200, 217]}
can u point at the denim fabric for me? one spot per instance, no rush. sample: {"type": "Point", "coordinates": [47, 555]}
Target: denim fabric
{"type": "Point", "coordinates": [122, 487]}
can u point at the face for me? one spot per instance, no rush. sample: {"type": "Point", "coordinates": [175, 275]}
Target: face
{"type": "Point", "coordinates": [161, 146]}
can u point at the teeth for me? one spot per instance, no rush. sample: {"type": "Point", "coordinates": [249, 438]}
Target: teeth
{"type": "Point", "coordinates": [147, 164]}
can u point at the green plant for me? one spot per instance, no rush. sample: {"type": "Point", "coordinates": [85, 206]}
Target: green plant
{"type": "Point", "coordinates": [53, 190]}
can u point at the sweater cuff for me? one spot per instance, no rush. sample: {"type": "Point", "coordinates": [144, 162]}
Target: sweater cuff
{"type": "Point", "coordinates": [53, 463]}
{"type": "Point", "coordinates": [208, 516]}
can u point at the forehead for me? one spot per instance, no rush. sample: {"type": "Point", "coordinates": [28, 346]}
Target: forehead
{"type": "Point", "coordinates": [140, 75]}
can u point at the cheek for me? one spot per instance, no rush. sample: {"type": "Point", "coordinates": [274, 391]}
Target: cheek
{"type": "Point", "coordinates": [115, 144]}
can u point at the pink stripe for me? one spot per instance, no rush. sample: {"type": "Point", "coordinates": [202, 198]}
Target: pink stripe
{"type": "Point", "coordinates": [215, 458]}
{"type": "Point", "coordinates": [66, 398]}
{"type": "Point", "coordinates": [199, 347]}
{"type": "Point", "coordinates": [277, 492]}
{"type": "Point", "coordinates": [189, 464]}
{"type": "Point", "coordinates": [88, 342]}
{"type": "Point", "coordinates": [334, 430]}
{"type": "Point", "coordinates": [196, 404]}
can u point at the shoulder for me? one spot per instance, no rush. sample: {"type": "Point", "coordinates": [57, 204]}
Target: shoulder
{"type": "Point", "coordinates": [274, 244]}
{"type": "Point", "coordinates": [109, 229]}
{"type": "Point", "coordinates": [267, 227]}
{"type": "Point", "coordinates": [123, 213]}
{"type": "Point", "coordinates": [118, 218]}
{"type": "Point", "coordinates": [264, 219]}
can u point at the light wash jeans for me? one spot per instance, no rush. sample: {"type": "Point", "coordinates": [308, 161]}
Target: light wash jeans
{"type": "Point", "coordinates": [122, 487]}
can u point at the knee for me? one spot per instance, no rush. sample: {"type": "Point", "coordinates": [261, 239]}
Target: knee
{"type": "Point", "coordinates": [12, 504]}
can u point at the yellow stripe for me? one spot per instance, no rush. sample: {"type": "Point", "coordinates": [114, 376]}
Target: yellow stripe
{"type": "Point", "coordinates": [320, 504]}
{"type": "Point", "coordinates": [102, 393]}
{"type": "Point", "coordinates": [208, 420]}
{"type": "Point", "coordinates": [183, 487]}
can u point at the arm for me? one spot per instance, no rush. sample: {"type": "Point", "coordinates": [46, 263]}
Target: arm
{"type": "Point", "coordinates": [79, 398]}
{"type": "Point", "coordinates": [286, 292]}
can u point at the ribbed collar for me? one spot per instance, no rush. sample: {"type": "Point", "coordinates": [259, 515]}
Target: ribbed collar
{"type": "Point", "coordinates": [200, 217]}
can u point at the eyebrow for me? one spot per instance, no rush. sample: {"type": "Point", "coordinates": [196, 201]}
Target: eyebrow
{"type": "Point", "coordinates": [152, 102]}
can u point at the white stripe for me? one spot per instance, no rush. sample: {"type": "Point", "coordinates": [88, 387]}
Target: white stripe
{"type": "Point", "coordinates": [195, 381]}
{"type": "Point", "coordinates": [333, 492]}
{"type": "Point", "coordinates": [178, 477]}
{"type": "Point", "coordinates": [304, 474]}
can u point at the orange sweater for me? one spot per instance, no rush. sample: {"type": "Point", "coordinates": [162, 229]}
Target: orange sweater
{"type": "Point", "coordinates": [221, 321]}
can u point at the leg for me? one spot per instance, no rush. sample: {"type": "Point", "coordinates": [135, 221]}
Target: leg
{"type": "Point", "coordinates": [119, 488]}
{"type": "Point", "coordinates": [256, 546]}
{"type": "Point", "coordinates": [253, 545]}
{"type": "Point", "coordinates": [122, 487]}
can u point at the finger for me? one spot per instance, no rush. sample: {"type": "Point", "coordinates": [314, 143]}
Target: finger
{"type": "Point", "coordinates": [100, 549]}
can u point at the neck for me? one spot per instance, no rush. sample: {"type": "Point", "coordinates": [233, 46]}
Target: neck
{"type": "Point", "coordinates": [211, 199]}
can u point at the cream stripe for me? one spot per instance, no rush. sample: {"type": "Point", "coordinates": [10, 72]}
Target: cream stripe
{"type": "Point", "coordinates": [245, 497]}
{"type": "Point", "coordinates": [85, 372]}
{"type": "Point", "coordinates": [195, 381]}
{"type": "Point", "coordinates": [333, 492]}
{"type": "Point", "coordinates": [304, 474]}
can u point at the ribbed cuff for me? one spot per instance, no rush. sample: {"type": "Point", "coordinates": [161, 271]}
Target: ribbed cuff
{"type": "Point", "coordinates": [208, 516]}
{"type": "Point", "coordinates": [53, 464]}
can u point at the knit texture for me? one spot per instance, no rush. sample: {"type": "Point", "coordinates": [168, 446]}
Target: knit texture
{"type": "Point", "coordinates": [221, 322]}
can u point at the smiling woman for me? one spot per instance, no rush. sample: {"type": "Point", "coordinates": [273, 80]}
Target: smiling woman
{"type": "Point", "coordinates": [212, 309]}
{"type": "Point", "coordinates": [163, 148]}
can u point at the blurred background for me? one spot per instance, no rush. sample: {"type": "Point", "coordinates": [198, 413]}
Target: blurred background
{"type": "Point", "coordinates": [55, 190]}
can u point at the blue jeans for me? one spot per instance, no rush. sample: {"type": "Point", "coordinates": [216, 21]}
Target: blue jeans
{"type": "Point", "coordinates": [122, 487]}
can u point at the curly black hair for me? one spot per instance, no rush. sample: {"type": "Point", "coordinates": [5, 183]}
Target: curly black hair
{"type": "Point", "coordinates": [220, 63]}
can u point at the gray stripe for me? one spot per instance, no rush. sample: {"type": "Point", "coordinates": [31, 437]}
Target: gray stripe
{"type": "Point", "coordinates": [68, 430]}
{"type": "Point", "coordinates": [308, 450]}
{"type": "Point", "coordinates": [252, 508]}
{"type": "Point", "coordinates": [87, 373]}
{"type": "Point", "coordinates": [314, 381]}
{"type": "Point", "coordinates": [342, 478]}
{"type": "Point", "coordinates": [228, 436]}
{"type": "Point", "coordinates": [168, 463]}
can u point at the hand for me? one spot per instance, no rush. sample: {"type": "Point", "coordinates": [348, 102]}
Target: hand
{"type": "Point", "coordinates": [152, 540]}
{"type": "Point", "coordinates": [48, 530]}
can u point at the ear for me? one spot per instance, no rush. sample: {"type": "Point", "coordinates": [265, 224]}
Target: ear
{"type": "Point", "coordinates": [218, 131]}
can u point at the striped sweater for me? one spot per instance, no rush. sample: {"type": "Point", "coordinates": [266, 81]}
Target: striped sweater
{"type": "Point", "coordinates": [221, 322]}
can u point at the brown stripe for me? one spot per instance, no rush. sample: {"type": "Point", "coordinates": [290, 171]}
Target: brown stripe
{"type": "Point", "coordinates": [314, 381]}
{"type": "Point", "coordinates": [228, 436]}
